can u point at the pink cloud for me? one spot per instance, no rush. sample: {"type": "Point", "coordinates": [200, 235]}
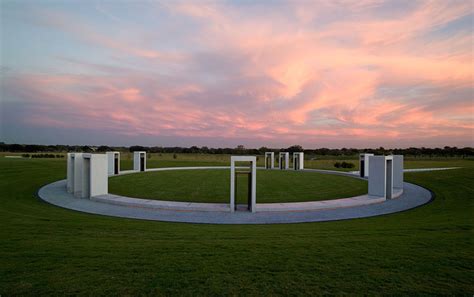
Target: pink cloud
{"type": "Point", "coordinates": [283, 77]}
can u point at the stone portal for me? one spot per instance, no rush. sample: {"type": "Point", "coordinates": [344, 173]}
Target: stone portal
{"type": "Point", "coordinates": [251, 173]}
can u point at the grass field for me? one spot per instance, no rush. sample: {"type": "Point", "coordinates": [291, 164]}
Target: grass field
{"type": "Point", "coordinates": [46, 250]}
{"type": "Point", "coordinates": [167, 160]}
{"type": "Point", "coordinates": [156, 160]}
{"type": "Point", "coordinates": [213, 186]}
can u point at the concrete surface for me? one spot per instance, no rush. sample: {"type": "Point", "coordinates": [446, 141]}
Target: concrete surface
{"type": "Point", "coordinates": [364, 158]}
{"type": "Point", "coordinates": [253, 182]}
{"type": "Point", "coordinates": [269, 160]}
{"type": "Point", "coordinates": [298, 161]}
{"type": "Point", "coordinates": [381, 176]}
{"type": "Point", "coordinates": [284, 157]}
{"type": "Point", "coordinates": [137, 157]}
{"type": "Point", "coordinates": [216, 213]}
{"type": "Point", "coordinates": [95, 179]}
{"type": "Point", "coordinates": [111, 156]}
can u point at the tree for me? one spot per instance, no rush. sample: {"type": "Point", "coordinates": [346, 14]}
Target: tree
{"type": "Point", "coordinates": [138, 148]}
{"type": "Point", "coordinates": [194, 149]}
{"type": "Point", "coordinates": [103, 148]}
{"type": "Point", "coordinates": [295, 148]}
{"type": "Point", "coordinates": [86, 149]}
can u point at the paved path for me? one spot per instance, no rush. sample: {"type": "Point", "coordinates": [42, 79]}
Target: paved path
{"type": "Point", "coordinates": [429, 169]}
{"type": "Point", "coordinates": [416, 169]}
{"type": "Point", "coordinates": [413, 196]}
{"type": "Point", "coordinates": [260, 207]}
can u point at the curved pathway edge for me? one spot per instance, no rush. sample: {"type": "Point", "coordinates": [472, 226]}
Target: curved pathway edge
{"type": "Point", "coordinates": [413, 196]}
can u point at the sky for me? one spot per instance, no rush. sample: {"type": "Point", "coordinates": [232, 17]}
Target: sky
{"type": "Point", "coordinates": [335, 73]}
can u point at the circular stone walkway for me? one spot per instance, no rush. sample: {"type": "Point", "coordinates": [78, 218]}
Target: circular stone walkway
{"type": "Point", "coordinates": [412, 196]}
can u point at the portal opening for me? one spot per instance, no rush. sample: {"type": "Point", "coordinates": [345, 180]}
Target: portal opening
{"type": "Point", "coordinates": [243, 183]}
{"type": "Point", "coordinates": [116, 164]}
{"type": "Point", "coordinates": [388, 184]}
{"type": "Point", "coordinates": [245, 177]}
{"type": "Point", "coordinates": [282, 162]}
{"type": "Point", "coordinates": [71, 173]}
{"type": "Point", "coordinates": [86, 189]}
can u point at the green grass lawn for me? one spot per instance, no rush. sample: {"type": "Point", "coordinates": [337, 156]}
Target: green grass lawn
{"type": "Point", "coordinates": [166, 160]}
{"type": "Point", "coordinates": [46, 250]}
{"type": "Point", "coordinates": [156, 160]}
{"type": "Point", "coordinates": [214, 186]}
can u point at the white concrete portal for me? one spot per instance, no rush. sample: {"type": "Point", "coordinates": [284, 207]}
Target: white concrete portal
{"type": "Point", "coordinates": [298, 161]}
{"type": "Point", "coordinates": [77, 178]}
{"type": "Point", "coordinates": [95, 177]}
{"type": "Point", "coordinates": [364, 164]}
{"type": "Point", "coordinates": [139, 161]}
{"type": "Point", "coordinates": [113, 159]}
{"type": "Point", "coordinates": [70, 173]}
{"type": "Point", "coordinates": [398, 172]}
{"type": "Point", "coordinates": [252, 182]}
{"type": "Point", "coordinates": [71, 179]}
{"type": "Point", "coordinates": [284, 157]}
{"type": "Point", "coordinates": [381, 176]}
{"type": "Point", "coordinates": [269, 160]}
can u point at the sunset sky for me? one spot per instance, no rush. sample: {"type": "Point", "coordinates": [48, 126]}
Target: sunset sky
{"type": "Point", "coordinates": [271, 73]}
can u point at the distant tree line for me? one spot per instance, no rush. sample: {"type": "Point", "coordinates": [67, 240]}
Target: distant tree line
{"type": "Point", "coordinates": [446, 151]}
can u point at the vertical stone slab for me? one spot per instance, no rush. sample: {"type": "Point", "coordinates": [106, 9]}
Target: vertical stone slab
{"type": "Point", "coordinates": [254, 186]}
{"type": "Point", "coordinates": [70, 173]}
{"type": "Point", "coordinates": [364, 164]}
{"type": "Point", "coordinates": [381, 169]}
{"type": "Point", "coordinates": [95, 175]}
{"type": "Point", "coordinates": [139, 161]}
{"type": "Point", "coordinates": [398, 168]}
{"type": "Point", "coordinates": [77, 185]}
{"type": "Point", "coordinates": [232, 185]}
{"type": "Point", "coordinates": [284, 157]}
{"type": "Point", "coordinates": [298, 161]}
{"type": "Point", "coordinates": [253, 168]}
{"type": "Point", "coordinates": [113, 167]}
{"type": "Point", "coordinates": [270, 156]}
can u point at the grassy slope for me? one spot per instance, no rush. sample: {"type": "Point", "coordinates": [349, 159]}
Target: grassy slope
{"type": "Point", "coordinates": [46, 250]}
{"type": "Point", "coordinates": [213, 186]}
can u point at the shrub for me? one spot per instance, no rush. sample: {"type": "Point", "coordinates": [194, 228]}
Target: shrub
{"type": "Point", "coordinates": [344, 164]}
{"type": "Point", "coordinates": [46, 156]}
{"type": "Point", "coordinates": [347, 165]}
{"type": "Point", "coordinates": [175, 156]}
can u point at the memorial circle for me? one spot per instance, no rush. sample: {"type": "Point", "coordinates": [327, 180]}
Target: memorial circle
{"type": "Point", "coordinates": [225, 213]}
